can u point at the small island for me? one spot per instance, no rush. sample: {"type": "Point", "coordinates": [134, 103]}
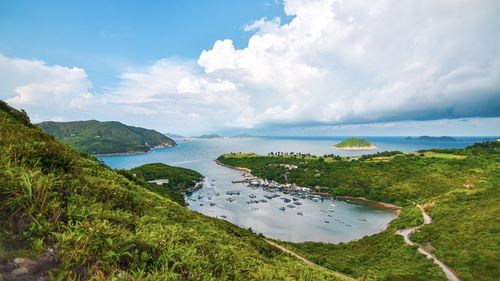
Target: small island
{"type": "Point", "coordinates": [354, 144]}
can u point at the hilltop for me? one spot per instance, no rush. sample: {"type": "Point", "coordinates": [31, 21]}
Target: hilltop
{"type": "Point", "coordinates": [210, 136]}
{"type": "Point", "coordinates": [242, 136]}
{"type": "Point", "coordinates": [67, 213]}
{"type": "Point", "coordinates": [354, 144]}
{"type": "Point", "coordinates": [111, 137]}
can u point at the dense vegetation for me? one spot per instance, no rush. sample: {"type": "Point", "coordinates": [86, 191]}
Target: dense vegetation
{"type": "Point", "coordinates": [458, 187]}
{"type": "Point", "coordinates": [353, 142]}
{"type": "Point", "coordinates": [103, 226]}
{"type": "Point", "coordinates": [179, 179]}
{"type": "Point", "coordinates": [96, 137]}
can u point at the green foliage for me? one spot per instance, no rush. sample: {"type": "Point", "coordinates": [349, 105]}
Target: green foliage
{"type": "Point", "coordinates": [353, 142]}
{"type": "Point", "coordinates": [96, 137]}
{"type": "Point", "coordinates": [459, 188]}
{"type": "Point", "coordinates": [104, 225]}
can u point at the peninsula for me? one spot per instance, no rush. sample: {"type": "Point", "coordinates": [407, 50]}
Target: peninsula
{"type": "Point", "coordinates": [354, 144]}
{"type": "Point", "coordinates": [103, 138]}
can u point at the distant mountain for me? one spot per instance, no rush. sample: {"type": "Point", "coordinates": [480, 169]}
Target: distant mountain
{"type": "Point", "coordinates": [112, 137]}
{"type": "Point", "coordinates": [428, 138]}
{"type": "Point", "coordinates": [210, 136]}
{"type": "Point", "coordinates": [174, 136]}
{"type": "Point", "coordinates": [242, 136]}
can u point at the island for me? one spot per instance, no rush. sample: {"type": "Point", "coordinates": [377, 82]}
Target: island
{"type": "Point", "coordinates": [242, 136]}
{"type": "Point", "coordinates": [174, 136]}
{"type": "Point", "coordinates": [354, 144]}
{"type": "Point", "coordinates": [428, 138]}
{"type": "Point", "coordinates": [106, 138]}
{"type": "Point", "coordinates": [210, 136]}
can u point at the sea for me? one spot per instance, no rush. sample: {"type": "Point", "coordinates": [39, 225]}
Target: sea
{"type": "Point", "coordinates": [326, 220]}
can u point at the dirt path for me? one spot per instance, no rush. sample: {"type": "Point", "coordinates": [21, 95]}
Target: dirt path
{"type": "Point", "coordinates": [308, 262]}
{"type": "Point", "coordinates": [406, 233]}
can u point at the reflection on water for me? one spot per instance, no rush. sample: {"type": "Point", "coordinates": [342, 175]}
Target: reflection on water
{"type": "Point", "coordinates": [344, 221]}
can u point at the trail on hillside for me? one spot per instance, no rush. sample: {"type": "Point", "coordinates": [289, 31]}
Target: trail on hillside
{"type": "Point", "coordinates": [406, 233]}
{"type": "Point", "coordinates": [308, 262]}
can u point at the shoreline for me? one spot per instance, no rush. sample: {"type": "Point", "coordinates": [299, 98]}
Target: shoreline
{"type": "Point", "coordinates": [395, 208]}
{"type": "Point", "coordinates": [134, 152]}
{"type": "Point", "coordinates": [354, 148]}
{"type": "Point", "coordinates": [233, 167]}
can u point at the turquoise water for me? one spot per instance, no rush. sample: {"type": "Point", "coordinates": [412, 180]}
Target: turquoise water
{"type": "Point", "coordinates": [348, 221]}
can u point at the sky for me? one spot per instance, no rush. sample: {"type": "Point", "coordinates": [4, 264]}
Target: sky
{"type": "Point", "coordinates": [294, 67]}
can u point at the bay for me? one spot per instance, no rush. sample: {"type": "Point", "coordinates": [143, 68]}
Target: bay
{"type": "Point", "coordinates": [325, 221]}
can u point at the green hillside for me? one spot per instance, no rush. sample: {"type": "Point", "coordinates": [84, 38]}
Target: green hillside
{"type": "Point", "coordinates": [96, 137]}
{"type": "Point", "coordinates": [354, 143]}
{"type": "Point", "coordinates": [459, 188]}
{"type": "Point", "coordinates": [179, 179]}
{"type": "Point", "coordinates": [79, 220]}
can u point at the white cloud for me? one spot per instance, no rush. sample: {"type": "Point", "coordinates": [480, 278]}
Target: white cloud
{"type": "Point", "coordinates": [353, 61]}
{"type": "Point", "coordinates": [335, 62]}
{"type": "Point", "coordinates": [30, 83]}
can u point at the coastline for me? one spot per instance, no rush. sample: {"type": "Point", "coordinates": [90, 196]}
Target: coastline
{"type": "Point", "coordinates": [354, 148]}
{"type": "Point", "coordinates": [232, 167]}
{"type": "Point", "coordinates": [135, 152]}
{"type": "Point", "coordinates": [395, 208]}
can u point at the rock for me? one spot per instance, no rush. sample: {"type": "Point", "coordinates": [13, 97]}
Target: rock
{"type": "Point", "coordinates": [19, 260]}
{"type": "Point", "coordinates": [19, 271]}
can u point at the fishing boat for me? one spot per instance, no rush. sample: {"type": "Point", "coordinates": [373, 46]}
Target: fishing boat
{"type": "Point", "coordinates": [300, 213]}
{"type": "Point", "coordinates": [327, 221]}
{"type": "Point", "coordinates": [282, 208]}
{"type": "Point", "coordinates": [297, 203]}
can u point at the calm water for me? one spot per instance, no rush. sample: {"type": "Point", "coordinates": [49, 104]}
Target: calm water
{"type": "Point", "coordinates": [349, 220]}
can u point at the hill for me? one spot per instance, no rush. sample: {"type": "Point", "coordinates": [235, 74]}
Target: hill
{"type": "Point", "coordinates": [168, 180]}
{"type": "Point", "coordinates": [174, 136]}
{"type": "Point", "coordinates": [242, 136]}
{"type": "Point", "coordinates": [66, 213]}
{"type": "Point", "coordinates": [458, 188]}
{"type": "Point", "coordinates": [354, 144]}
{"type": "Point", "coordinates": [96, 137]}
{"type": "Point", "coordinates": [428, 138]}
{"type": "Point", "coordinates": [210, 136]}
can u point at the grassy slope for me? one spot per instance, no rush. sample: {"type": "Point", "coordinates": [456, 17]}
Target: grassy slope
{"type": "Point", "coordinates": [113, 137]}
{"type": "Point", "coordinates": [100, 223]}
{"type": "Point", "coordinates": [460, 192]}
{"type": "Point", "coordinates": [353, 142]}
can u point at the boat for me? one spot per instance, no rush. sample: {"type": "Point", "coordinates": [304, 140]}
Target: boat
{"type": "Point", "coordinates": [233, 193]}
{"type": "Point", "coordinates": [300, 213]}
{"type": "Point", "coordinates": [291, 206]}
{"type": "Point", "coordinates": [332, 205]}
{"type": "Point", "coordinates": [212, 204]}
{"type": "Point", "coordinates": [217, 194]}
{"type": "Point", "coordinates": [199, 197]}
{"type": "Point", "coordinates": [230, 199]}
{"type": "Point", "coordinates": [253, 196]}
{"type": "Point", "coordinates": [330, 216]}
{"type": "Point", "coordinates": [282, 208]}
{"type": "Point", "coordinates": [348, 225]}
{"type": "Point", "coordinates": [286, 200]}
{"type": "Point", "coordinates": [327, 221]}
{"type": "Point", "coordinates": [295, 199]}
{"type": "Point", "coordinates": [201, 204]}
{"type": "Point", "coordinates": [331, 210]}
{"type": "Point", "coordinates": [223, 216]}
{"type": "Point", "coordinates": [297, 203]}
{"type": "Point", "coordinates": [361, 219]}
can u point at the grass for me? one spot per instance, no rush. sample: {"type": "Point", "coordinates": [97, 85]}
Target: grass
{"type": "Point", "coordinates": [458, 187]}
{"type": "Point", "coordinates": [105, 226]}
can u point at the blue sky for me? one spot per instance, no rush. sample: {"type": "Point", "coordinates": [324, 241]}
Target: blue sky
{"type": "Point", "coordinates": [106, 37]}
{"type": "Point", "coordinates": [318, 67]}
